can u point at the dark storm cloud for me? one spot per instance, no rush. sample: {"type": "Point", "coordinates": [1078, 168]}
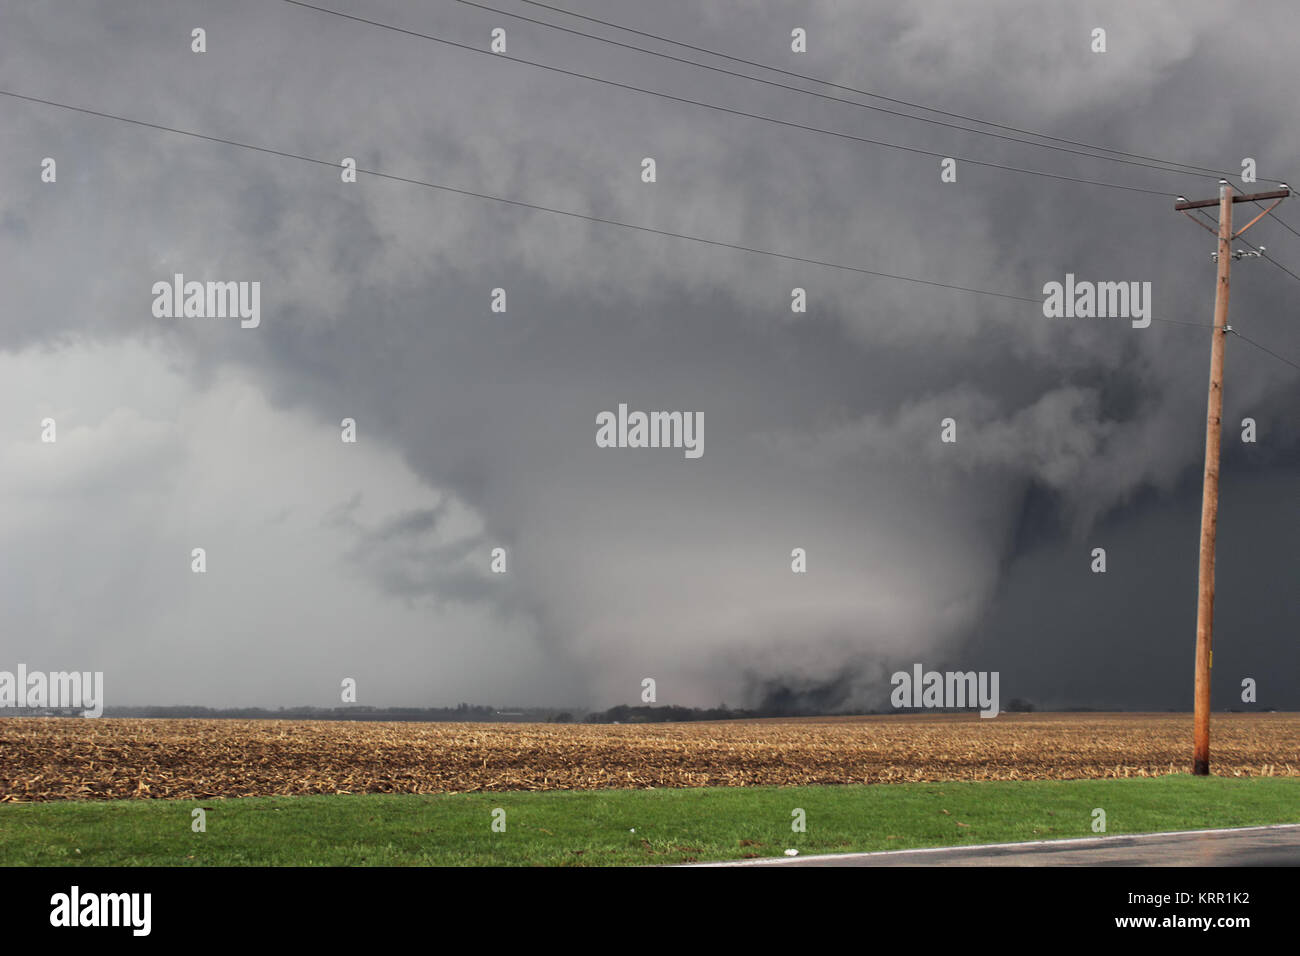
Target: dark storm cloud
{"type": "Point", "coordinates": [399, 556]}
{"type": "Point", "coordinates": [821, 429]}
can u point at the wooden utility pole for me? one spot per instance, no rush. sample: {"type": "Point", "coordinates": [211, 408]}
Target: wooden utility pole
{"type": "Point", "coordinates": [1210, 484]}
{"type": "Point", "coordinates": [1210, 494]}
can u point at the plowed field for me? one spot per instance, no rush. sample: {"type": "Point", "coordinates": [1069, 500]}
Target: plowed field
{"type": "Point", "coordinates": [55, 759]}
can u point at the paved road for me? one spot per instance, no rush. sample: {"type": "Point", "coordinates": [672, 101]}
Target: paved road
{"type": "Point", "coordinates": [1248, 846]}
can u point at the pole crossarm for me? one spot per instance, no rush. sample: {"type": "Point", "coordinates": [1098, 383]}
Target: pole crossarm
{"type": "Point", "coordinates": [1252, 197]}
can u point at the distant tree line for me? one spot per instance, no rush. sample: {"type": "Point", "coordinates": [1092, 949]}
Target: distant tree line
{"type": "Point", "coordinates": [467, 713]}
{"type": "Point", "coordinates": [482, 713]}
{"type": "Point", "coordinates": [623, 714]}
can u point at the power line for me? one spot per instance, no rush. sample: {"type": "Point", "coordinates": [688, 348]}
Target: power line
{"type": "Point", "coordinates": [285, 154]}
{"type": "Point", "coordinates": [1209, 328]}
{"type": "Point", "coordinates": [1265, 256]}
{"type": "Point", "coordinates": [1281, 358]}
{"type": "Point", "coordinates": [1166, 165]}
{"type": "Point", "coordinates": [1193, 171]}
{"type": "Point", "coordinates": [1286, 225]}
{"type": "Point", "coordinates": [850, 89]}
{"type": "Point", "coordinates": [1261, 252]}
{"type": "Point", "coordinates": [1258, 249]}
{"type": "Point", "coordinates": [1189, 169]}
{"type": "Point", "coordinates": [807, 260]}
{"type": "Point", "coordinates": [1194, 325]}
{"type": "Point", "coordinates": [517, 202]}
{"type": "Point", "coordinates": [727, 109]}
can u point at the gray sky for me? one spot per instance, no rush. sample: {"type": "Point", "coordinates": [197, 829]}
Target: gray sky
{"type": "Point", "coordinates": [476, 429]}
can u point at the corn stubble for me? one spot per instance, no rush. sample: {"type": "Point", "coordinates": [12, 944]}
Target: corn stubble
{"type": "Point", "coordinates": [58, 759]}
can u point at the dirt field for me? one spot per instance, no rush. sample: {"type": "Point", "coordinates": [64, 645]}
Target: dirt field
{"type": "Point", "coordinates": [54, 759]}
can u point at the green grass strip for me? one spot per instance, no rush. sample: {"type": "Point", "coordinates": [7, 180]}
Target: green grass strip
{"type": "Point", "coordinates": [620, 827]}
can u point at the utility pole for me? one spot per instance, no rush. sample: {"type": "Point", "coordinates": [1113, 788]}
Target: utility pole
{"type": "Point", "coordinates": [1210, 484]}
